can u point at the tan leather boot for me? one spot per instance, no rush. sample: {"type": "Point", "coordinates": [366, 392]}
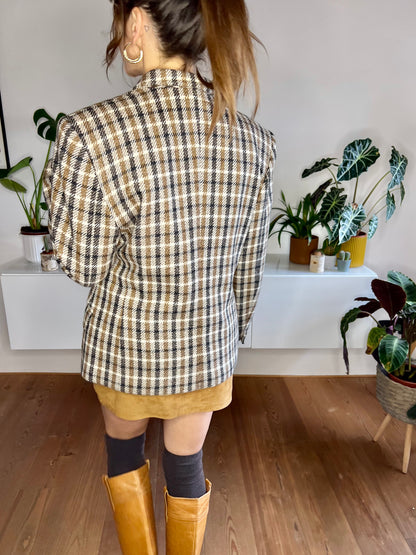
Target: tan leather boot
{"type": "Point", "coordinates": [185, 523]}
{"type": "Point", "coordinates": [130, 496]}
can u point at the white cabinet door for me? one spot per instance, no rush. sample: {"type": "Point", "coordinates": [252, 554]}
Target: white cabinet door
{"type": "Point", "coordinates": [43, 310]}
{"type": "Point", "coordinates": [298, 309]}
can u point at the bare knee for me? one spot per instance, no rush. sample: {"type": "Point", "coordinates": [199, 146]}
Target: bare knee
{"type": "Point", "coordinates": [123, 429]}
{"type": "Point", "coordinates": [185, 435]}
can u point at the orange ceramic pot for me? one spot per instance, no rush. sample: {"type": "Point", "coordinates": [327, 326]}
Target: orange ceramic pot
{"type": "Point", "coordinates": [300, 251]}
{"type": "Point", "coordinates": [356, 246]}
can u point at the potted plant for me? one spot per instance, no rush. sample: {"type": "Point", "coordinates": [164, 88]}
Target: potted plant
{"type": "Point", "coordinates": [35, 231]}
{"type": "Point", "coordinates": [330, 249]}
{"type": "Point", "coordinates": [299, 222]}
{"type": "Point", "coordinates": [391, 341]}
{"type": "Point", "coordinates": [343, 261]}
{"type": "Point", "coordinates": [356, 219]}
{"type": "Point", "coordinates": [47, 257]}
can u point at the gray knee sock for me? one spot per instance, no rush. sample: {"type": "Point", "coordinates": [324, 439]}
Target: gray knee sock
{"type": "Point", "coordinates": [184, 474]}
{"type": "Point", "coordinates": [124, 455]}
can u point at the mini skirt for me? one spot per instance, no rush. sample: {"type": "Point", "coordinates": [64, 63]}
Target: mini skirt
{"type": "Point", "coordinates": [134, 407]}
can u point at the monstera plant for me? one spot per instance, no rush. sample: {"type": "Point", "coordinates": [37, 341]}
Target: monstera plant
{"type": "Point", "coordinates": [46, 128]}
{"type": "Point", "coordinates": [355, 212]}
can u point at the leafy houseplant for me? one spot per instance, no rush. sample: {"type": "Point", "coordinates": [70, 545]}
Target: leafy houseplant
{"type": "Point", "coordinates": [343, 261]}
{"type": "Point", "coordinates": [391, 341]}
{"type": "Point", "coordinates": [348, 219]}
{"type": "Point", "coordinates": [330, 248]}
{"type": "Point", "coordinates": [46, 128]}
{"type": "Point", "coordinates": [299, 222]}
{"type": "Point", "coordinates": [32, 234]}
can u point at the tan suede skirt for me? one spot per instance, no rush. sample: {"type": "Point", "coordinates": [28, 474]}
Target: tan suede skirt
{"type": "Point", "coordinates": [134, 407]}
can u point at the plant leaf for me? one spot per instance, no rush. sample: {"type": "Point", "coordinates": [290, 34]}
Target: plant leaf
{"type": "Point", "coordinates": [374, 337]}
{"type": "Point", "coordinates": [346, 320]}
{"type": "Point", "coordinates": [349, 225]}
{"type": "Point", "coordinates": [372, 226]}
{"type": "Point", "coordinates": [40, 114]}
{"type": "Point", "coordinates": [44, 206]}
{"type": "Point", "coordinates": [402, 193]}
{"type": "Point", "coordinates": [391, 205]}
{"type": "Point", "coordinates": [43, 129]}
{"type": "Point", "coordinates": [334, 235]}
{"type": "Point", "coordinates": [409, 311]}
{"type": "Point", "coordinates": [398, 165]}
{"type": "Point", "coordinates": [391, 296]}
{"type": "Point", "coordinates": [20, 165]}
{"type": "Point", "coordinates": [357, 158]}
{"type": "Point", "coordinates": [46, 129]}
{"type": "Point", "coordinates": [405, 283]}
{"type": "Point", "coordinates": [371, 306]}
{"type": "Point", "coordinates": [13, 185]}
{"type": "Point", "coordinates": [318, 194]}
{"type": "Point", "coordinates": [274, 222]}
{"type": "Point", "coordinates": [332, 204]}
{"type": "Point", "coordinates": [392, 352]}
{"type": "Point", "coordinates": [318, 166]}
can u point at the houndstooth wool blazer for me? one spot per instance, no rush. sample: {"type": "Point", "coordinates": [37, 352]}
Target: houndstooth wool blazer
{"type": "Point", "coordinates": [167, 227]}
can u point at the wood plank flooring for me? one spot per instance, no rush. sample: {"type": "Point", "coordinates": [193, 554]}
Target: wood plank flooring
{"type": "Point", "coordinates": [292, 462]}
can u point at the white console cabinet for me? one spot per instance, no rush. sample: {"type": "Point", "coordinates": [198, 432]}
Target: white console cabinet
{"type": "Point", "coordinates": [296, 309]}
{"type": "Point", "coordinates": [44, 310]}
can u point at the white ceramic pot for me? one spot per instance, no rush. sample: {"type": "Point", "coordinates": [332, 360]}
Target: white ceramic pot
{"type": "Point", "coordinates": [33, 243]}
{"type": "Point", "coordinates": [330, 263]}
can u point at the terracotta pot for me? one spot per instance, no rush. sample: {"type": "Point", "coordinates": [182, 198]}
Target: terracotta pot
{"type": "Point", "coordinates": [33, 242]}
{"type": "Point", "coordinates": [300, 251]}
{"type": "Point", "coordinates": [403, 382]}
{"type": "Point", "coordinates": [356, 246]}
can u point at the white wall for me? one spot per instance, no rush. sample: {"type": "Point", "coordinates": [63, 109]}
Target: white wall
{"type": "Point", "coordinates": [336, 70]}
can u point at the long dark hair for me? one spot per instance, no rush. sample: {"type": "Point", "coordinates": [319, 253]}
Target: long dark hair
{"type": "Point", "coordinates": [188, 28]}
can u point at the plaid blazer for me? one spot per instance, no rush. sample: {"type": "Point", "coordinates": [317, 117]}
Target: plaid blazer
{"type": "Point", "coordinates": [168, 228]}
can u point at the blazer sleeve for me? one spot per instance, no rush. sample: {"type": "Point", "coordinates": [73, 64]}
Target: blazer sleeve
{"type": "Point", "coordinates": [249, 271]}
{"type": "Point", "coordinates": [82, 228]}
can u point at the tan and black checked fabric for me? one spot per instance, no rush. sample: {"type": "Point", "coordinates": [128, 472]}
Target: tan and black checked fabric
{"type": "Point", "coordinates": [167, 227]}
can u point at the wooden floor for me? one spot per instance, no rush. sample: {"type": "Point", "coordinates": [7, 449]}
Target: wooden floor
{"type": "Point", "coordinates": [292, 462]}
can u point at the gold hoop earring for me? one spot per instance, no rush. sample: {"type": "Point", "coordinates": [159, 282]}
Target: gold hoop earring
{"type": "Point", "coordinates": [131, 60]}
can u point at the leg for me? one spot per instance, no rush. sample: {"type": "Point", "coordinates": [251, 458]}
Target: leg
{"type": "Point", "coordinates": [125, 441]}
{"type": "Point", "coordinates": [128, 484]}
{"type": "Point", "coordinates": [182, 457]}
{"type": "Point", "coordinates": [120, 428]}
{"type": "Point", "coordinates": [383, 426]}
{"type": "Point", "coordinates": [188, 493]}
{"type": "Point", "coordinates": [185, 435]}
{"type": "Point", "coordinates": [407, 448]}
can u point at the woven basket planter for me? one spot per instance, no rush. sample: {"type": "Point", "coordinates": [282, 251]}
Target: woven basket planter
{"type": "Point", "coordinates": [395, 398]}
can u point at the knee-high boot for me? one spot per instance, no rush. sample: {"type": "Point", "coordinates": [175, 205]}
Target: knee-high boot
{"type": "Point", "coordinates": [130, 495]}
{"type": "Point", "coordinates": [185, 523]}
